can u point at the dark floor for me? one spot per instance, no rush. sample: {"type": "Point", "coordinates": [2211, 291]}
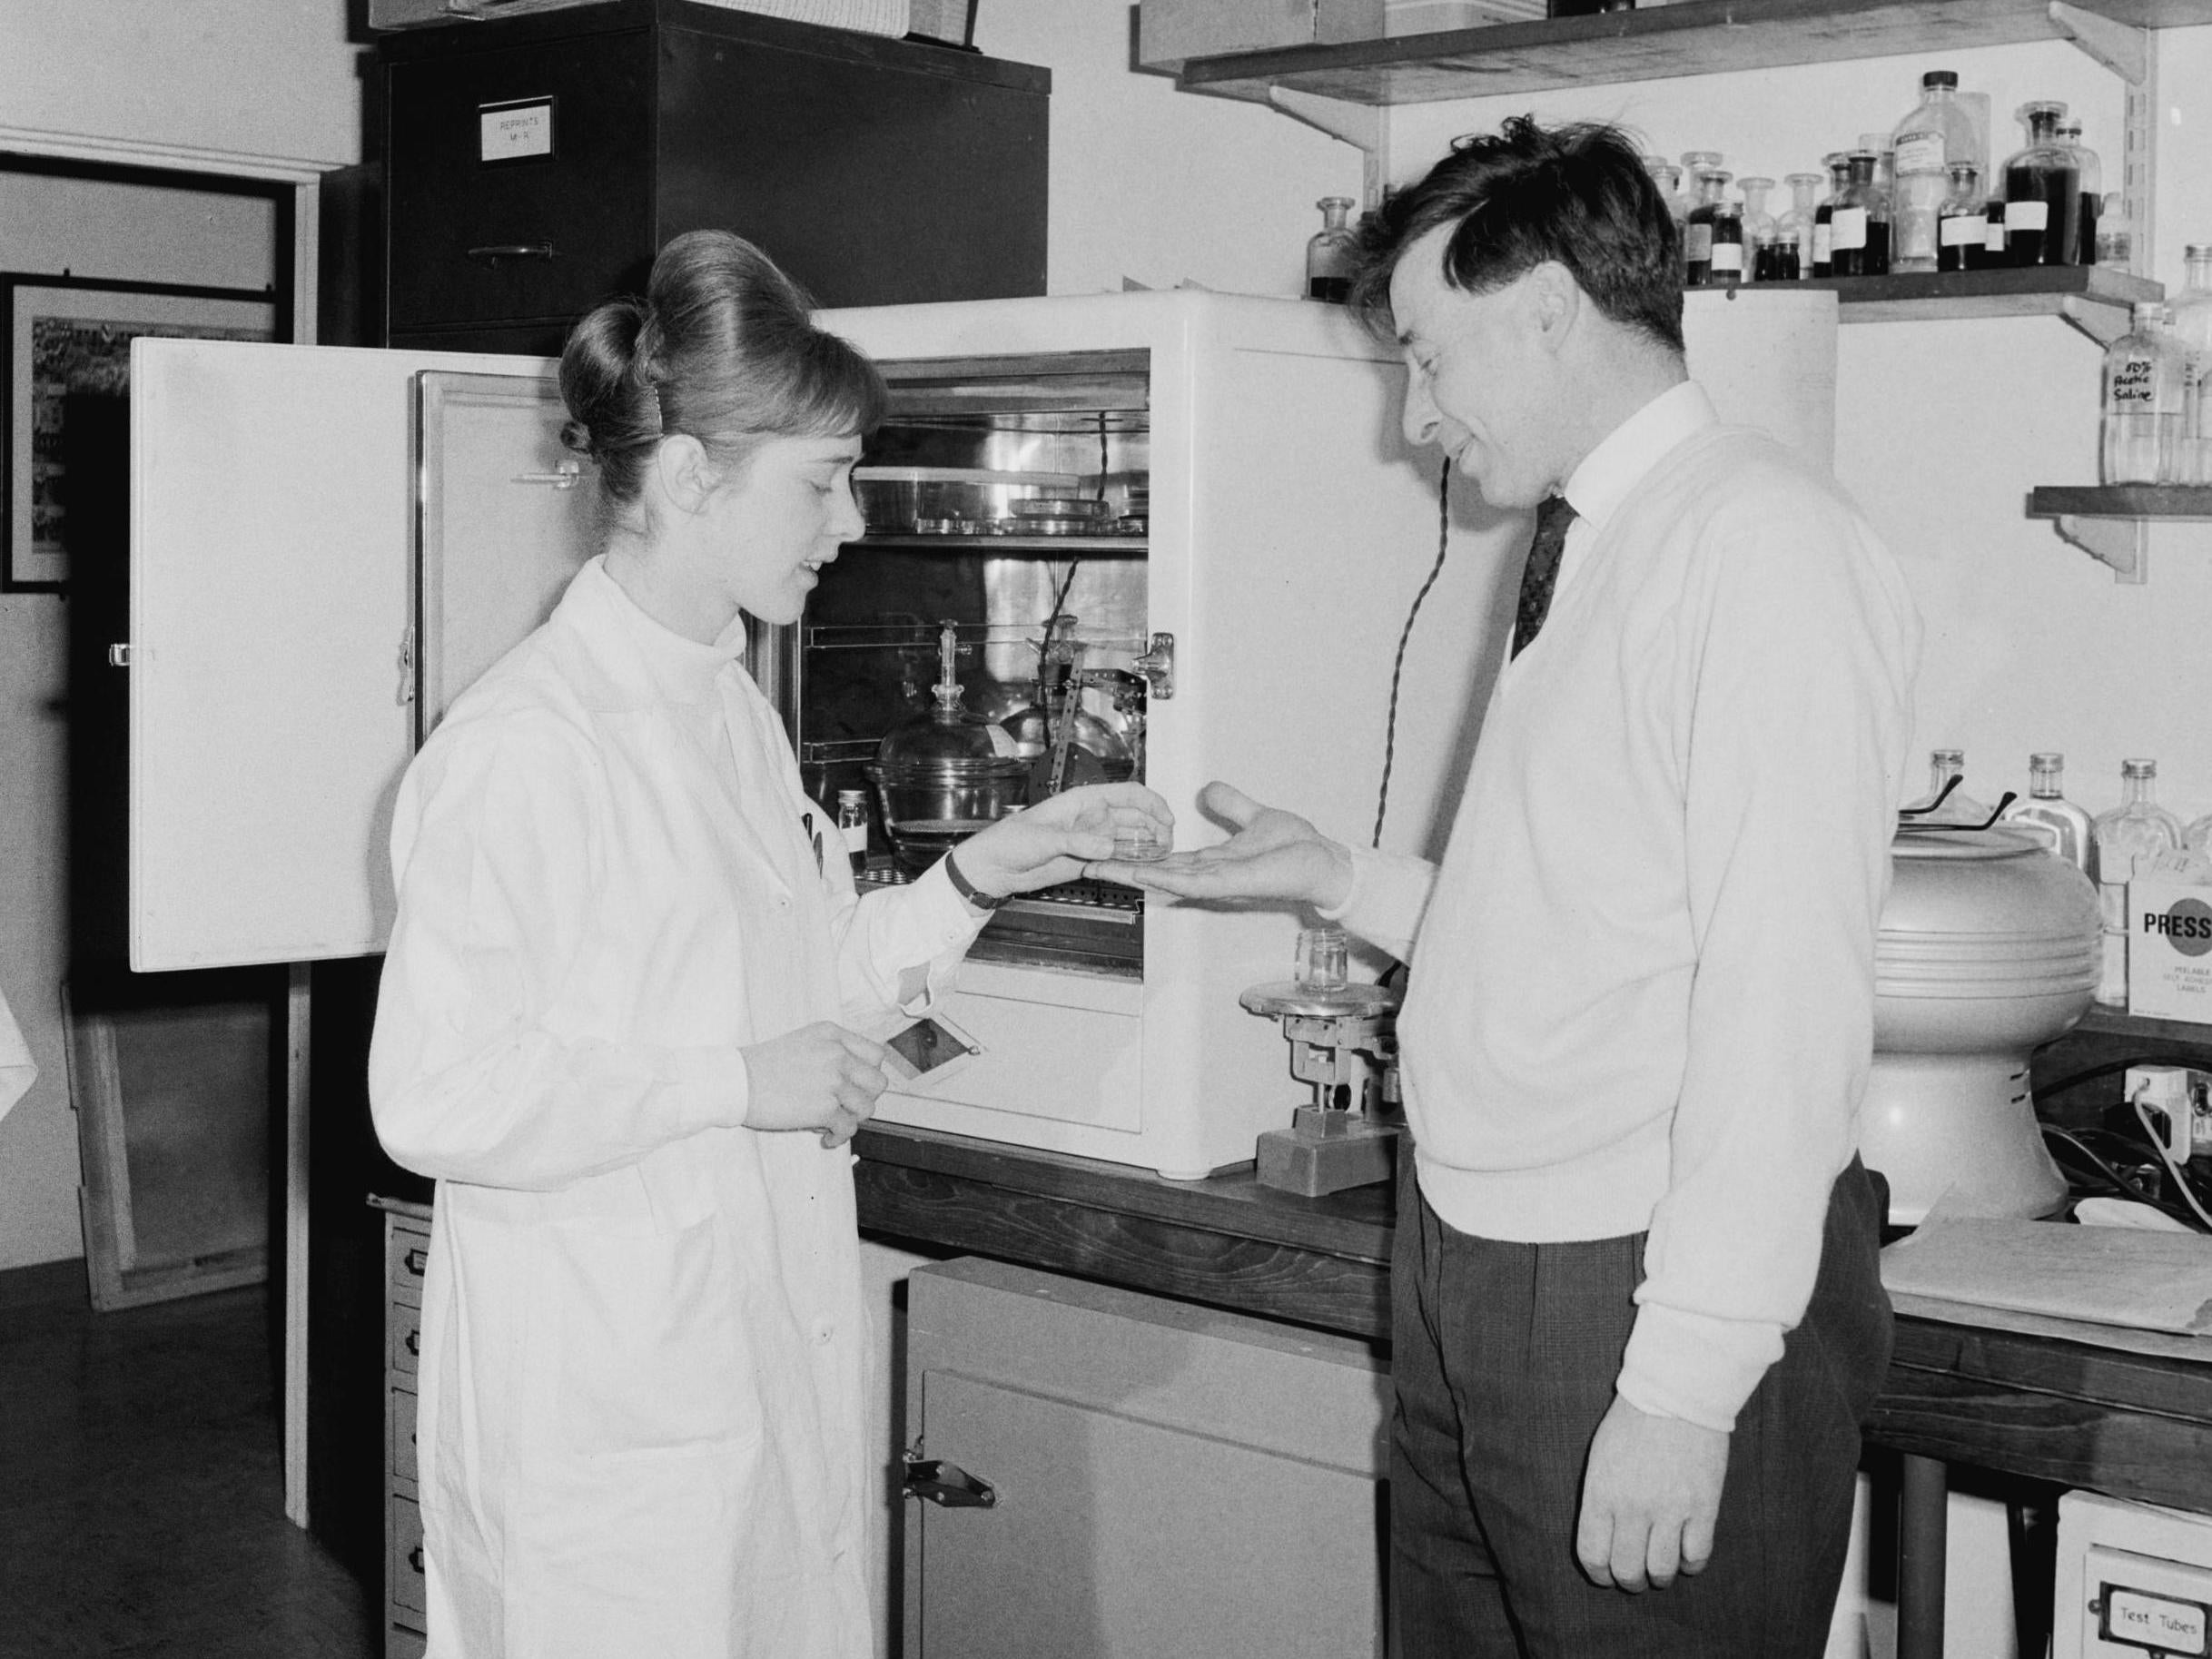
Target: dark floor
{"type": "Point", "coordinates": [142, 1492]}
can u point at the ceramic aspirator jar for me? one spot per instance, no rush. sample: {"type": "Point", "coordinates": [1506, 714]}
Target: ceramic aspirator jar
{"type": "Point", "coordinates": [1988, 949]}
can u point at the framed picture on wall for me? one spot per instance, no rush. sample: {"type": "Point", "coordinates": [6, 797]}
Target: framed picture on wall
{"type": "Point", "coordinates": [68, 340]}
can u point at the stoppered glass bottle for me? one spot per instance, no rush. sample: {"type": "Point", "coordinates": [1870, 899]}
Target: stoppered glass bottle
{"type": "Point", "coordinates": [2190, 331]}
{"type": "Point", "coordinates": [1328, 253]}
{"type": "Point", "coordinates": [1838, 162]}
{"type": "Point", "coordinates": [1713, 253]}
{"type": "Point", "coordinates": [1850, 223]}
{"type": "Point", "coordinates": [2144, 384]}
{"type": "Point", "coordinates": [2137, 827]}
{"type": "Point", "coordinates": [1881, 204]}
{"type": "Point", "coordinates": [2049, 811]}
{"type": "Point", "coordinates": [1937, 133]}
{"type": "Point", "coordinates": [1759, 233]}
{"type": "Point", "coordinates": [1962, 221]}
{"type": "Point", "coordinates": [2042, 193]}
{"type": "Point", "coordinates": [2090, 172]}
{"type": "Point", "coordinates": [1793, 232]}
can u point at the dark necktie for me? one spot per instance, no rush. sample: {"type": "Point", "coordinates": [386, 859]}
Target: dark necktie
{"type": "Point", "coordinates": [1541, 572]}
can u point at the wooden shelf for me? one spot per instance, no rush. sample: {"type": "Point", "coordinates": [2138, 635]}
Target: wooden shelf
{"type": "Point", "coordinates": [2039, 290]}
{"type": "Point", "coordinates": [2120, 501]}
{"type": "Point", "coordinates": [2112, 1023]}
{"type": "Point", "coordinates": [1695, 37]}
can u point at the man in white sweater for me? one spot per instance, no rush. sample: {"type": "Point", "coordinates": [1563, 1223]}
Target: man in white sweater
{"type": "Point", "coordinates": [1638, 1314]}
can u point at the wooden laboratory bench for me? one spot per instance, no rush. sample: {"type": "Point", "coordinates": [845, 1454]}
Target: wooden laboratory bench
{"type": "Point", "coordinates": [2044, 1401]}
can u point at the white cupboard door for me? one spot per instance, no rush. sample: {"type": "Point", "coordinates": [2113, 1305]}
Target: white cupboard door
{"type": "Point", "coordinates": [507, 522]}
{"type": "Point", "coordinates": [273, 496]}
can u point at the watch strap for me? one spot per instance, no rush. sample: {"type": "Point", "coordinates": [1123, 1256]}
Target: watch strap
{"type": "Point", "coordinates": [975, 897]}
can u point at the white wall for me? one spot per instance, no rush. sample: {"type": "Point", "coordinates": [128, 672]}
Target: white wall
{"type": "Point", "coordinates": [248, 77]}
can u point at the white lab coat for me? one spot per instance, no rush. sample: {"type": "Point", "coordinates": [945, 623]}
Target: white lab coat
{"type": "Point", "coordinates": [641, 1430]}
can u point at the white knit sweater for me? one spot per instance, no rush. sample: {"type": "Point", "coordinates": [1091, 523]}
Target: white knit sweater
{"type": "Point", "coordinates": [1642, 986]}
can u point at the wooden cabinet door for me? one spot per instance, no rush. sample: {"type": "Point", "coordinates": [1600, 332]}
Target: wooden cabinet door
{"type": "Point", "coordinates": [1166, 1479]}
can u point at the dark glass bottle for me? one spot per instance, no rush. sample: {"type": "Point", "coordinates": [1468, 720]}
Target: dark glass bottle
{"type": "Point", "coordinates": [1962, 222]}
{"type": "Point", "coordinates": [1837, 164]}
{"type": "Point", "coordinates": [1715, 255]}
{"type": "Point", "coordinates": [2042, 193]}
{"type": "Point", "coordinates": [1850, 225]}
{"type": "Point", "coordinates": [2092, 189]}
{"type": "Point", "coordinates": [1879, 204]}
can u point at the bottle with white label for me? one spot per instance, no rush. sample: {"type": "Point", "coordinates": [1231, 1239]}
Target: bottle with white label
{"type": "Point", "coordinates": [1850, 219]}
{"type": "Point", "coordinates": [1838, 162]}
{"type": "Point", "coordinates": [1926, 142]}
{"type": "Point", "coordinates": [852, 826]}
{"type": "Point", "coordinates": [2144, 384]}
{"type": "Point", "coordinates": [2047, 811]}
{"type": "Point", "coordinates": [1962, 221]}
{"type": "Point", "coordinates": [1714, 255]}
{"type": "Point", "coordinates": [2043, 192]}
{"type": "Point", "coordinates": [2138, 826]}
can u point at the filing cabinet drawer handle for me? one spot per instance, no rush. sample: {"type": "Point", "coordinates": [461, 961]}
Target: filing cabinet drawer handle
{"type": "Point", "coordinates": [497, 254]}
{"type": "Point", "coordinates": [418, 1262]}
{"type": "Point", "coordinates": [414, 1557]}
{"type": "Point", "coordinates": [414, 1342]}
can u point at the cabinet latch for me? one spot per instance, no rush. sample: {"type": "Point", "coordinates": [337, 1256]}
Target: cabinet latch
{"type": "Point", "coordinates": [1158, 665]}
{"type": "Point", "coordinates": [119, 656]}
{"type": "Point", "coordinates": [946, 1484]}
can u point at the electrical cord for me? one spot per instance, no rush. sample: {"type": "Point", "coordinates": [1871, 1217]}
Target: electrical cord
{"type": "Point", "coordinates": [2173, 1170]}
{"type": "Point", "coordinates": [1397, 667]}
{"type": "Point", "coordinates": [2114, 1178]}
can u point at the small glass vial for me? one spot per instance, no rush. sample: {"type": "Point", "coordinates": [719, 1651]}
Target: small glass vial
{"type": "Point", "coordinates": [1938, 132]}
{"type": "Point", "coordinates": [1713, 254]}
{"type": "Point", "coordinates": [1850, 224]}
{"type": "Point", "coordinates": [1759, 233]}
{"type": "Point", "coordinates": [1793, 232]}
{"type": "Point", "coordinates": [1962, 221]}
{"type": "Point", "coordinates": [2144, 388]}
{"type": "Point", "coordinates": [1328, 253]}
{"type": "Point", "coordinates": [2042, 193]}
{"type": "Point", "coordinates": [2190, 330]}
{"type": "Point", "coordinates": [1323, 961]}
{"type": "Point", "coordinates": [852, 826]}
{"type": "Point", "coordinates": [2092, 196]}
{"type": "Point", "coordinates": [2138, 826]}
{"type": "Point", "coordinates": [2047, 810]}
{"type": "Point", "coordinates": [1838, 162]}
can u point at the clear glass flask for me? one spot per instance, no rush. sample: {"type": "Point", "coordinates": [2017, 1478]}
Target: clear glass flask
{"type": "Point", "coordinates": [2047, 810]}
{"type": "Point", "coordinates": [1328, 253]}
{"type": "Point", "coordinates": [1938, 132]}
{"type": "Point", "coordinates": [2092, 194]}
{"type": "Point", "coordinates": [1793, 232]}
{"type": "Point", "coordinates": [2138, 826]}
{"type": "Point", "coordinates": [1759, 233]}
{"type": "Point", "coordinates": [1958, 806]}
{"type": "Point", "coordinates": [2190, 330]}
{"type": "Point", "coordinates": [2144, 385]}
{"type": "Point", "coordinates": [2042, 193]}
{"type": "Point", "coordinates": [1962, 221]}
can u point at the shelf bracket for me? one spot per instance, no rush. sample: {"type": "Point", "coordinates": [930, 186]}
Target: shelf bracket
{"type": "Point", "coordinates": [2122, 543]}
{"type": "Point", "coordinates": [1365, 126]}
{"type": "Point", "coordinates": [2125, 51]}
{"type": "Point", "coordinates": [2102, 321]}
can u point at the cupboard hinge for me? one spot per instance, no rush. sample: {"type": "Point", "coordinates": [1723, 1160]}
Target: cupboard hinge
{"type": "Point", "coordinates": [407, 668]}
{"type": "Point", "coordinates": [945, 1483]}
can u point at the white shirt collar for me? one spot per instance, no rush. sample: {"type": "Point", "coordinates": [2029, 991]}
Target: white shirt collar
{"type": "Point", "coordinates": [1596, 487]}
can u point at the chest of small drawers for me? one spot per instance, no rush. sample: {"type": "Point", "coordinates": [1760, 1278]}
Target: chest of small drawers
{"type": "Point", "coordinates": [407, 1254]}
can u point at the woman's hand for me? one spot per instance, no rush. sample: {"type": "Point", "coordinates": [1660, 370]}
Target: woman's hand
{"type": "Point", "coordinates": [1050, 842]}
{"type": "Point", "coordinates": [1273, 854]}
{"type": "Point", "coordinates": [821, 1077]}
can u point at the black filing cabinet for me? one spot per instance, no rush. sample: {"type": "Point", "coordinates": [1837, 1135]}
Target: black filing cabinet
{"type": "Point", "coordinates": [533, 165]}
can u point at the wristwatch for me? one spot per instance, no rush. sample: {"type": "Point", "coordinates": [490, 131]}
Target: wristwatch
{"type": "Point", "coordinates": [976, 898]}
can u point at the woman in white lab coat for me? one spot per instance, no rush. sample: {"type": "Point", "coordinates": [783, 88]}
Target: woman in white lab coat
{"type": "Point", "coordinates": [621, 1022]}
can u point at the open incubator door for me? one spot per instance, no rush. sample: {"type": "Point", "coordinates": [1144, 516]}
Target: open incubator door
{"type": "Point", "coordinates": [327, 546]}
